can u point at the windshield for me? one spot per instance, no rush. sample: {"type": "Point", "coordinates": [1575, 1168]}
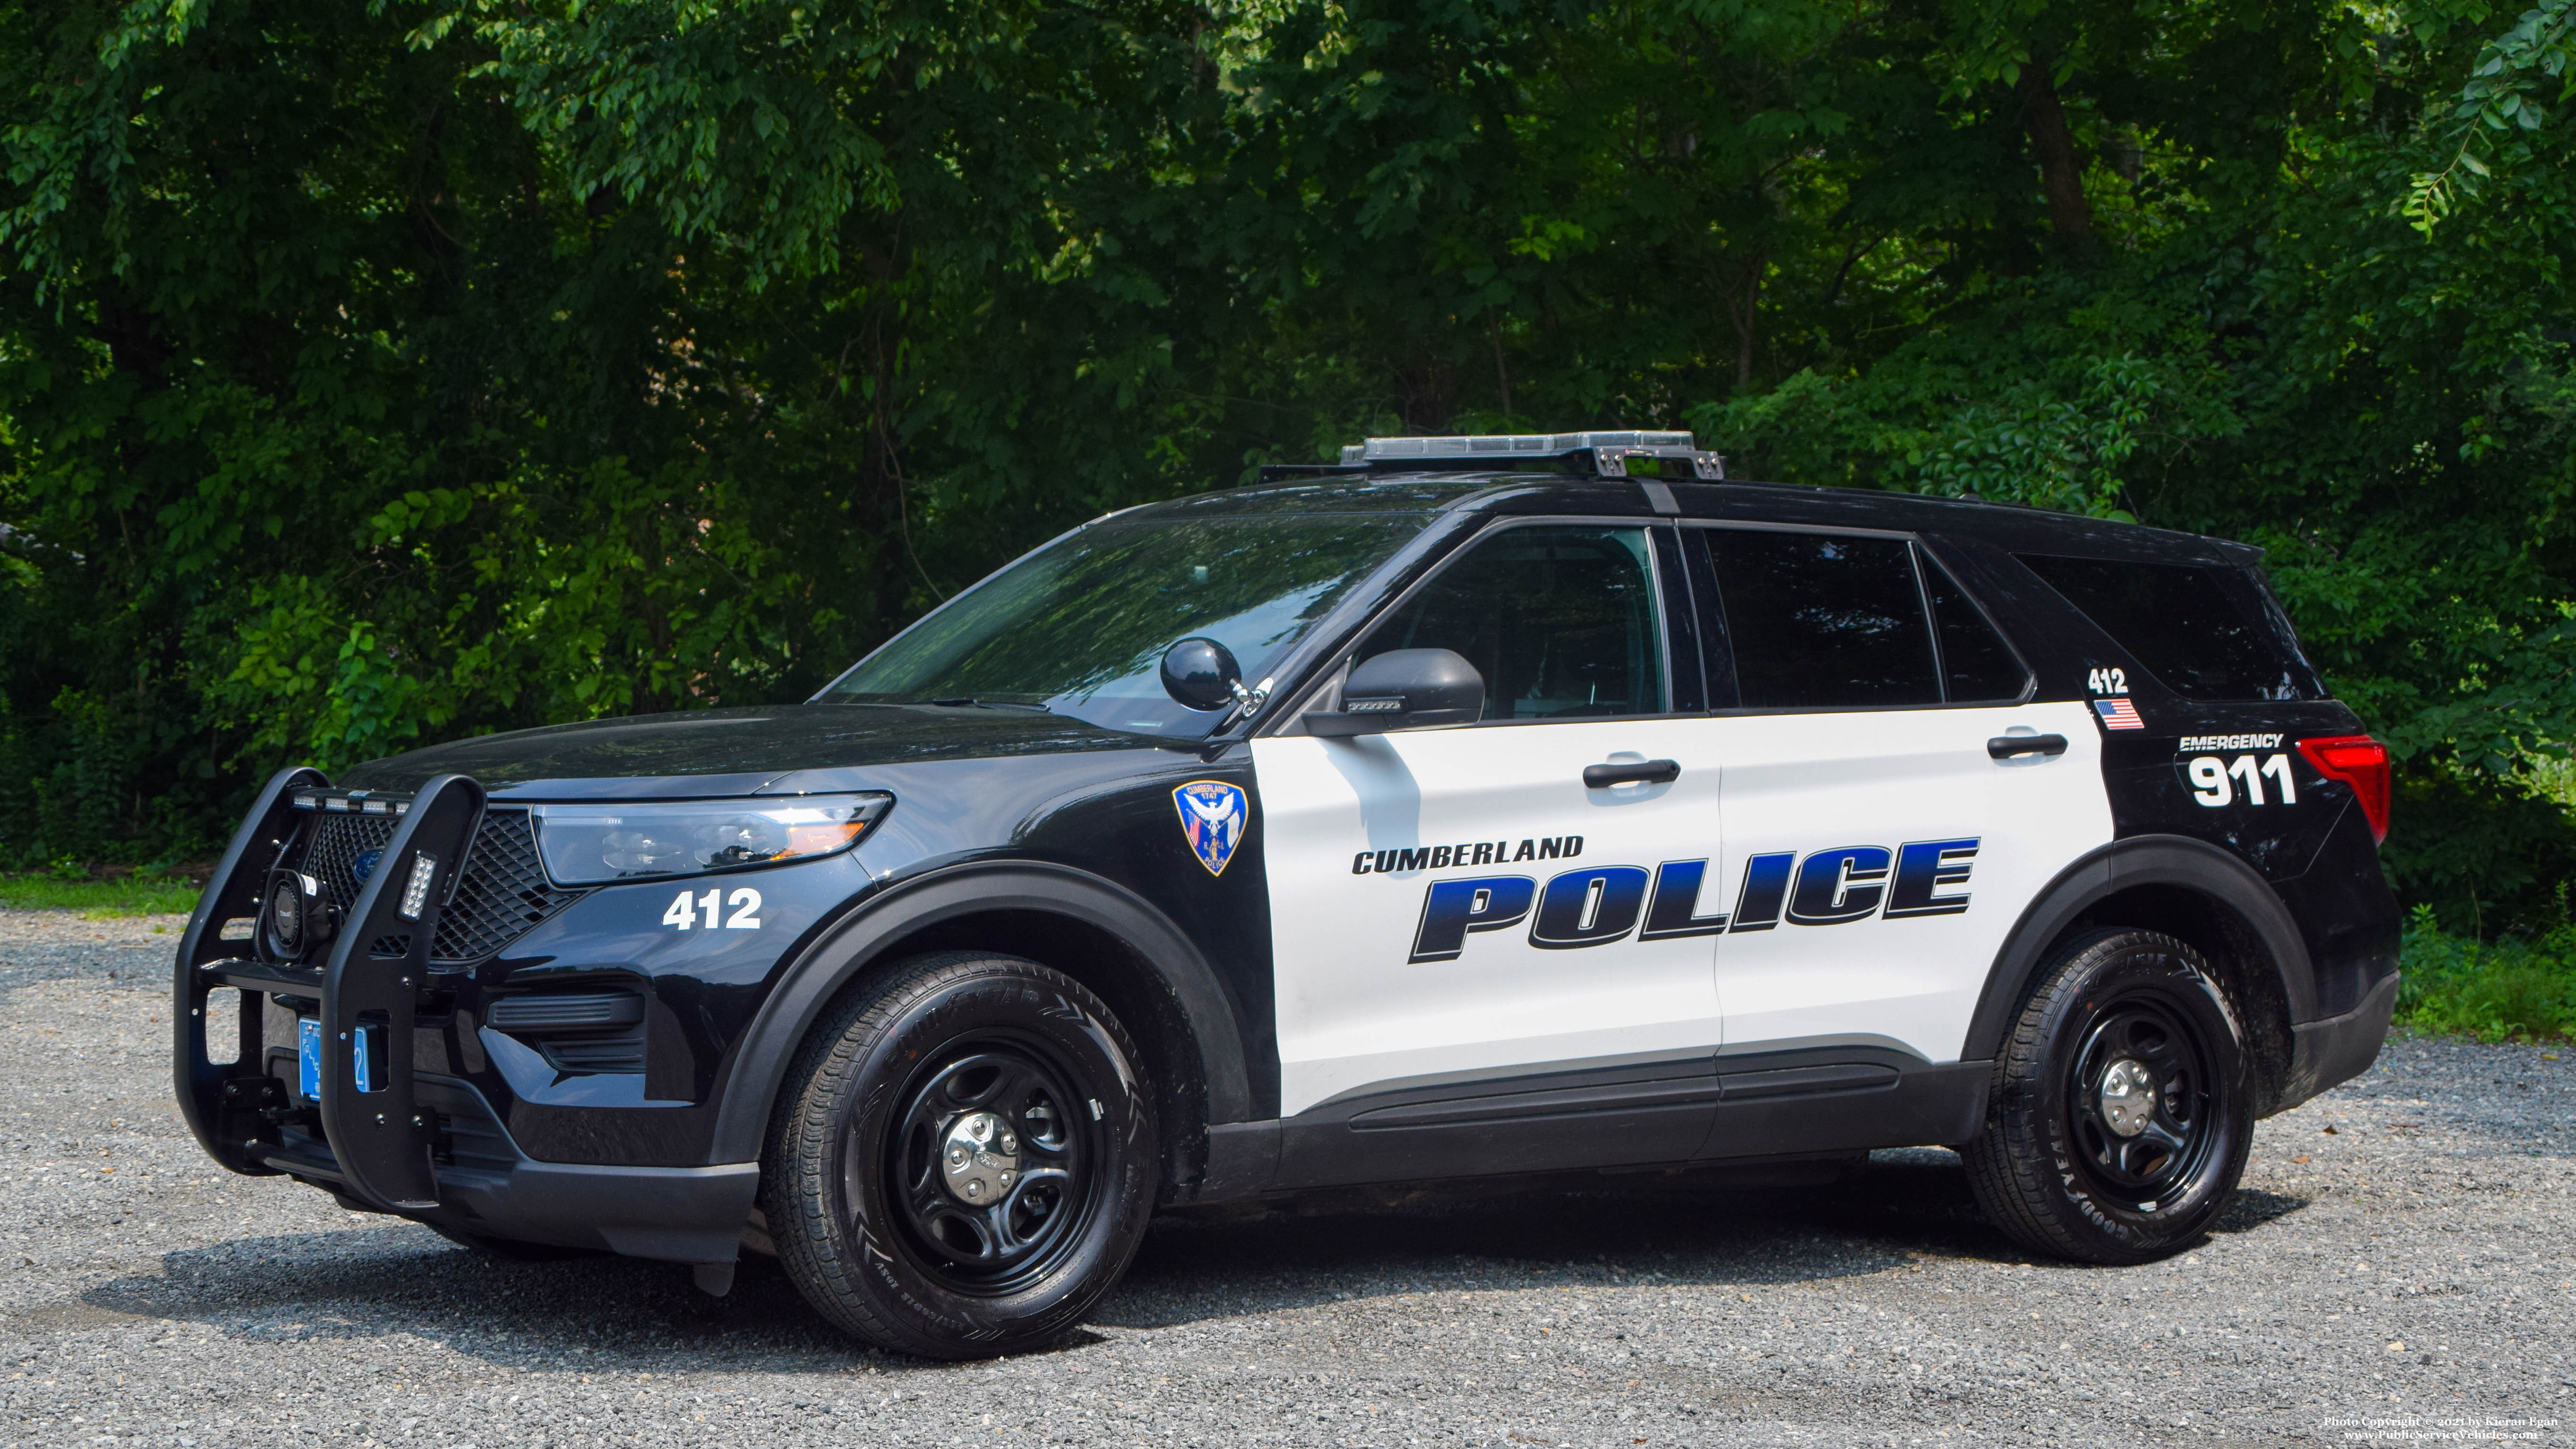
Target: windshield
{"type": "Point", "coordinates": [1079, 628]}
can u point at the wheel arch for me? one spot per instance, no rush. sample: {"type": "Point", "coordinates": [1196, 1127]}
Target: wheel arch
{"type": "Point", "coordinates": [1120, 947]}
{"type": "Point", "coordinates": [2185, 888]}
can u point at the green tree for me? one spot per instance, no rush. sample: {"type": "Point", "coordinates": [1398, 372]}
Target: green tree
{"type": "Point", "coordinates": [370, 376]}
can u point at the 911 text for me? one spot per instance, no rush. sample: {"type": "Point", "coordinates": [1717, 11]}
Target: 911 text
{"type": "Point", "coordinates": [2215, 782]}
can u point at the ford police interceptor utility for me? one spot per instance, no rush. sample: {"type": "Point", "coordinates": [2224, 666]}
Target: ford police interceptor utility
{"type": "Point", "coordinates": [1475, 806]}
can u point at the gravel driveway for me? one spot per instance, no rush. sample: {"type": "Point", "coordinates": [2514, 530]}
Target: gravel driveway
{"type": "Point", "coordinates": [2396, 1269]}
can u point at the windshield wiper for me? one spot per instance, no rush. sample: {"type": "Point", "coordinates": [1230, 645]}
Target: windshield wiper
{"type": "Point", "coordinates": [968, 702]}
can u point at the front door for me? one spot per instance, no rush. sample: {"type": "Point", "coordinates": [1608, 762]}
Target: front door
{"type": "Point", "coordinates": [1457, 905]}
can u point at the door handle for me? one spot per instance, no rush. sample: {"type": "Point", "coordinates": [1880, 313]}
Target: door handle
{"type": "Point", "coordinates": [1644, 772]}
{"type": "Point", "coordinates": [2005, 747]}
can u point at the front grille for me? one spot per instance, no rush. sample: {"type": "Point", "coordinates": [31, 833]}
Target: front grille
{"type": "Point", "coordinates": [338, 843]}
{"type": "Point", "coordinates": [501, 892]}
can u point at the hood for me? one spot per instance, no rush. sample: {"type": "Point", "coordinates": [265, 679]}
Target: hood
{"type": "Point", "coordinates": [788, 749]}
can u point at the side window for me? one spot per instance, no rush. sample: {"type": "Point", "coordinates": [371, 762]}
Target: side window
{"type": "Point", "coordinates": [1823, 621]}
{"type": "Point", "coordinates": [1976, 664]}
{"type": "Point", "coordinates": [1560, 620]}
{"type": "Point", "coordinates": [2181, 623]}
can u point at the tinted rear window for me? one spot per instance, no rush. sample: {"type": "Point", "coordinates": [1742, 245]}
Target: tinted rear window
{"type": "Point", "coordinates": [1823, 621]}
{"type": "Point", "coordinates": [2183, 623]}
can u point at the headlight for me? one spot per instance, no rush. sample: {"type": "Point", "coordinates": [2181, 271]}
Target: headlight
{"type": "Point", "coordinates": [598, 844]}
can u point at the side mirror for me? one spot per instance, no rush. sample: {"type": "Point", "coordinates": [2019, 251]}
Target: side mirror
{"type": "Point", "coordinates": [1404, 689]}
{"type": "Point", "coordinates": [1202, 674]}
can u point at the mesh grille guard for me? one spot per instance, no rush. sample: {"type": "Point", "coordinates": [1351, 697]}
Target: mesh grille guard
{"type": "Point", "coordinates": [501, 893]}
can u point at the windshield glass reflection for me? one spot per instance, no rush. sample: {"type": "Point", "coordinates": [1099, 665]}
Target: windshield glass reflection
{"type": "Point", "coordinates": [1080, 627]}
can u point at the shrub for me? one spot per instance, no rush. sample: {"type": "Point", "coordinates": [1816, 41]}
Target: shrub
{"type": "Point", "coordinates": [2512, 989]}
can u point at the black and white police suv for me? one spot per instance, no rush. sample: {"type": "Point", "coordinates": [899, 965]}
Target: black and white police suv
{"type": "Point", "coordinates": [1476, 806]}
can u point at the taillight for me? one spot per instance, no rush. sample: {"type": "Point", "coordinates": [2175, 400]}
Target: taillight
{"type": "Point", "coordinates": [2362, 763]}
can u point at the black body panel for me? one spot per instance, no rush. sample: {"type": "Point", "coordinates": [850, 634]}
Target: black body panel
{"type": "Point", "coordinates": [2346, 916]}
{"type": "Point", "coordinates": [713, 752]}
{"type": "Point", "coordinates": [1105, 821]}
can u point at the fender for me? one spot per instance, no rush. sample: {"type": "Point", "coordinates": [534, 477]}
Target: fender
{"type": "Point", "coordinates": [2143, 860]}
{"type": "Point", "coordinates": [836, 958]}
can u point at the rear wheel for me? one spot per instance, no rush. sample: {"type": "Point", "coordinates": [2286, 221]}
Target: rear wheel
{"type": "Point", "coordinates": [2121, 1110]}
{"type": "Point", "coordinates": [966, 1158]}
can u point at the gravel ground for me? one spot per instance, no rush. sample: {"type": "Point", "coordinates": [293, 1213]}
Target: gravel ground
{"type": "Point", "coordinates": [2396, 1269]}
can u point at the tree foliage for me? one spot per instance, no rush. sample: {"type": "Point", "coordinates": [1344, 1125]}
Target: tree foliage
{"type": "Point", "coordinates": [372, 375]}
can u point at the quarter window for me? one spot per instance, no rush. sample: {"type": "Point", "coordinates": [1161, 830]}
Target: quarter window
{"type": "Point", "coordinates": [1561, 621]}
{"type": "Point", "coordinates": [2182, 624]}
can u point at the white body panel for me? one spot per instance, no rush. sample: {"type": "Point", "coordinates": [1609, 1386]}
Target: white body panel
{"type": "Point", "coordinates": [1355, 1012]}
{"type": "Point", "coordinates": [1810, 782]}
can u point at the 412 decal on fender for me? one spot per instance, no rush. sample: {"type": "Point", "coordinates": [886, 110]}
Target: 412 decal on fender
{"type": "Point", "coordinates": [687, 909]}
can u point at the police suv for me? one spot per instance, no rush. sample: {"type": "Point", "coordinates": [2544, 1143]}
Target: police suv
{"type": "Point", "coordinates": [1476, 806]}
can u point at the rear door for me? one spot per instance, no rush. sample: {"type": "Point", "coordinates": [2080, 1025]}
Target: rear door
{"type": "Point", "coordinates": [1877, 849]}
{"type": "Point", "coordinates": [1456, 906]}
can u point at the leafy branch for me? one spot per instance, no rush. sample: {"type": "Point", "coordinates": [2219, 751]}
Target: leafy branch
{"type": "Point", "coordinates": [2499, 100]}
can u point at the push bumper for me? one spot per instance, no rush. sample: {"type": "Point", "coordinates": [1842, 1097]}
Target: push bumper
{"type": "Point", "coordinates": [378, 1132]}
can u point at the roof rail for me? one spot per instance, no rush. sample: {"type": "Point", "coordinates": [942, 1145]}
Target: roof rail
{"type": "Point", "coordinates": [1604, 454]}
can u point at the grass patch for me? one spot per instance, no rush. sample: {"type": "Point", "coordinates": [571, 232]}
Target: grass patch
{"type": "Point", "coordinates": [2521, 989]}
{"type": "Point", "coordinates": [130, 895]}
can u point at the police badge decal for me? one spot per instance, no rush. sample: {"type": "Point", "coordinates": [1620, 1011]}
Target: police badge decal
{"type": "Point", "coordinates": [1213, 817]}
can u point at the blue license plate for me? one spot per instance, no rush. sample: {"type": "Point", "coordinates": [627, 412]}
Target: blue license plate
{"type": "Point", "coordinates": [308, 1050]}
{"type": "Point", "coordinates": [308, 1047]}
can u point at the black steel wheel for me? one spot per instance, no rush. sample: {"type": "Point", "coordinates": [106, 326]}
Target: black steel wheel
{"type": "Point", "coordinates": [2121, 1109]}
{"type": "Point", "coordinates": [966, 1158]}
{"type": "Point", "coordinates": [993, 1165]}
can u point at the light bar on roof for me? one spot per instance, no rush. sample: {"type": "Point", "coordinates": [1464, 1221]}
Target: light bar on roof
{"type": "Point", "coordinates": [1610, 450]}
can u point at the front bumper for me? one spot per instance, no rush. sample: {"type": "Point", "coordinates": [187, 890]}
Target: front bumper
{"type": "Point", "coordinates": [487, 1186]}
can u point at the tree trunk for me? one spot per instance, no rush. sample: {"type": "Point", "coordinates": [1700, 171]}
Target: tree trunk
{"type": "Point", "coordinates": [1426, 395]}
{"type": "Point", "coordinates": [2061, 175]}
{"type": "Point", "coordinates": [1744, 310]}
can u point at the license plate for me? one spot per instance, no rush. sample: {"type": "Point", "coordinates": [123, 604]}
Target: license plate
{"type": "Point", "coordinates": [308, 1048]}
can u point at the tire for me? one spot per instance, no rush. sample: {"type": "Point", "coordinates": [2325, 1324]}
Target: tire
{"type": "Point", "coordinates": [2134, 1175]}
{"type": "Point", "coordinates": [953, 1077]}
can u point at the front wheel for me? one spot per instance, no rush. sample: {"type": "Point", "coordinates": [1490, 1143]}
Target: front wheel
{"type": "Point", "coordinates": [2121, 1110]}
{"type": "Point", "coordinates": [965, 1160]}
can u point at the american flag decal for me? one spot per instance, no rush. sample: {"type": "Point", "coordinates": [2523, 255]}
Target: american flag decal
{"type": "Point", "coordinates": [2118, 714]}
